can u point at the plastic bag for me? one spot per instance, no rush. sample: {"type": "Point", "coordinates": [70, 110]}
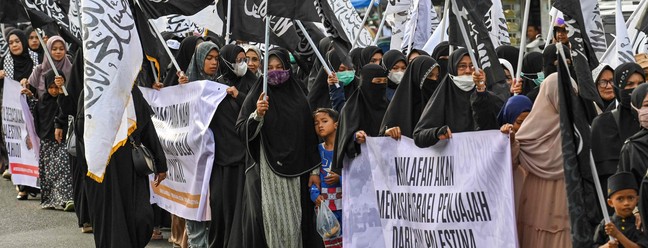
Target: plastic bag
{"type": "Point", "coordinates": [327, 225]}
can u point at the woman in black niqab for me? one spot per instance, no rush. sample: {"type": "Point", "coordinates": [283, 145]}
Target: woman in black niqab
{"type": "Point", "coordinates": [405, 108]}
{"type": "Point", "coordinates": [532, 74]}
{"type": "Point", "coordinates": [441, 54]}
{"type": "Point", "coordinates": [282, 147]}
{"type": "Point", "coordinates": [451, 109]}
{"type": "Point", "coordinates": [363, 111]}
{"type": "Point", "coordinates": [611, 129]}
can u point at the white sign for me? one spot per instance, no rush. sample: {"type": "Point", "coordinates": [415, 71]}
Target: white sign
{"type": "Point", "coordinates": [20, 136]}
{"type": "Point", "coordinates": [182, 117]}
{"type": "Point", "coordinates": [457, 193]}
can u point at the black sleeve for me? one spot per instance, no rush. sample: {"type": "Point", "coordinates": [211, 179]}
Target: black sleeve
{"type": "Point", "coordinates": [485, 106]}
{"type": "Point", "coordinates": [426, 137]}
{"type": "Point", "coordinates": [149, 138]}
{"type": "Point", "coordinates": [60, 120]}
{"type": "Point", "coordinates": [600, 238]}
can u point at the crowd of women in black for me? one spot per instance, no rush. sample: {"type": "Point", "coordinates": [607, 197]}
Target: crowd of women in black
{"type": "Point", "coordinates": [267, 155]}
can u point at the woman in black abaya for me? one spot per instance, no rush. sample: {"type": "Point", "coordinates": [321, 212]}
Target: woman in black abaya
{"type": "Point", "coordinates": [457, 105]}
{"type": "Point", "coordinates": [226, 180]}
{"type": "Point", "coordinates": [405, 108]}
{"type": "Point", "coordinates": [362, 114]}
{"type": "Point", "coordinates": [276, 210]}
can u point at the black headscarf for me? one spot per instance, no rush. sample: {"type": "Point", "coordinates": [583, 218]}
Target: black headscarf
{"type": "Point", "coordinates": [40, 50]}
{"type": "Point", "coordinates": [407, 105]}
{"type": "Point", "coordinates": [510, 54]}
{"type": "Point", "coordinates": [364, 110]}
{"type": "Point", "coordinates": [419, 51]}
{"type": "Point", "coordinates": [47, 108]}
{"type": "Point", "coordinates": [451, 106]}
{"type": "Point", "coordinates": [390, 59]}
{"type": "Point", "coordinates": [634, 153]}
{"type": "Point", "coordinates": [289, 139]}
{"type": "Point", "coordinates": [531, 66]}
{"type": "Point", "coordinates": [621, 75]}
{"type": "Point", "coordinates": [186, 51]}
{"type": "Point", "coordinates": [318, 96]}
{"type": "Point", "coordinates": [549, 56]}
{"type": "Point", "coordinates": [228, 55]}
{"type": "Point", "coordinates": [367, 53]}
{"type": "Point", "coordinates": [23, 63]}
{"type": "Point", "coordinates": [443, 49]}
{"type": "Point", "coordinates": [356, 58]}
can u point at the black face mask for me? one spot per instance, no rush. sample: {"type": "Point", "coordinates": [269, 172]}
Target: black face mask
{"type": "Point", "coordinates": [428, 87]}
{"type": "Point", "coordinates": [626, 99]}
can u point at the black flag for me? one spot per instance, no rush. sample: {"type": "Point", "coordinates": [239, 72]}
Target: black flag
{"type": "Point", "coordinates": [473, 14]}
{"type": "Point", "coordinates": [47, 12]}
{"type": "Point", "coordinates": [12, 12]}
{"type": "Point", "coordinates": [159, 8]}
{"type": "Point", "coordinates": [582, 201]}
{"type": "Point", "coordinates": [282, 29]}
{"type": "Point", "coordinates": [303, 10]}
{"type": "Point", "coordinates": [151, 44]}
{"type": "Point", "coordinates": [583, 55]}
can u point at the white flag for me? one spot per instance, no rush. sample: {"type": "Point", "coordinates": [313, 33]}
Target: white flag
{"type": "Point", "coordinates": [113, 57]}
{"type": "Point", "coordinates": [178, 24]}
{"type": "Point", "coordinates": [496, 23]}
{"type": "Point", "coordinates": [435, 39]}
{"type": "Point", "coordinates": [395, 6]}
{"type": "Point", "coordinates": [350, 22]}
{"type": "Point", "coordinates": [397, 22]}
{"type": "Point", "coordinates": [636, 36]}
{"type": "Point", "coordinates": [421, 24]}
{"type": "Point", "coordinates": [623, 45]}
{"type": "Point", "coordinates": [594, 26]}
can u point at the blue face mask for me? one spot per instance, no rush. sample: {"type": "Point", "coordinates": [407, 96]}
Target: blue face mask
{"type": "Point", "coordinates": [345, 77]}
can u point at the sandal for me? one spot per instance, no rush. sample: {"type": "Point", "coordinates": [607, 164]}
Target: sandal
{"type": "Point", "coordinates": [22, 196]}
{"type": "Point", "coordinates": [157, 234]}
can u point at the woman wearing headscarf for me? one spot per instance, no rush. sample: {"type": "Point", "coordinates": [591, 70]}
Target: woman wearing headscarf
{"type": "Point", "coordinates": [415, 53]}
{"type": "Point", "coordinates": [395, 62]}
{"type": "Point", "coordinates": [54, 167]}
{"type": "Point", "coordinates": [441, 53]}
{"type": "Point", "coordinates": [532, 75]}
{"type": "Point", "coordinates": [356, 58]}
{"type": "Point", "coordinates": [550, 59]}
{"type": "Point", "coordinates": [185, 53]}
{"type": "Point", "coordinates": [510, 54]}
{"type": "Point", "coordinates": [229, 160]}
{"type": "Point", "coordinates": [275, 209]}
{"type": "Point", "coordinates": [122, 214]}
{"type": "Point", "coordinates": [18, 65]}
{"type": "Point", "coordinates": [58, 51]}
{"type": "Point", "coordinates": [603, 76]}
{"type": "Point", "coordinates": [610, 129]}
{"type": "Point", "coordinates": [324, 46]}
{"type": "Point", "coordinates": [34, 43]}
{"type": "Point", "coordinates": [457, 105]}
{"type": "Point", "coordinates": [405, 109]}
{"type": "Point", "coordinates": [253, 55]}
{"type": "Point", "coordinates": [510, 119]}
{"type": "Point", "coordinates": [542, 216]}
{"type": "Point", "coordinates": [362, 114]}
{"type": "Point", "coordinates": [331, 91]}
{"type": "Point", "coordinates": [371, 55]}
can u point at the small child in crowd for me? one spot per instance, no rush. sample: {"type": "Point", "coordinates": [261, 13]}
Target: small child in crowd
{"type": "Point", "coordinates": [622, 196]}
{"type": "Point", "coordinates": [326, 122]}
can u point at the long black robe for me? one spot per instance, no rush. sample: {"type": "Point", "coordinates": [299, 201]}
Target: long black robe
{"type": "Point", "coordinates": [227, 173]}
{"type": "Point", "coordinates": [290, 144]}
{"type": "Point", "coordinates": [364, 111]}
{"type": "Point", "coordinates": [407, 105]}
{"type": "Point", "coordinates": [461, 111]}
{"type": "Point", "coordinates": [120, 206]}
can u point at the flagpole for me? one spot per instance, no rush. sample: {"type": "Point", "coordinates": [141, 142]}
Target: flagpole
{"type": "Point", "coordinates": [551, 27]}
{"type": "Point", "coordinates": [49, 58]}
{"type": "Point", "coordinates": [411, 41]}
{"type": "Point", "coordinates": [229, 23]}
{"type": "Point", "coordinates": [446, 12]}
{"type": "Point", "coordinates": [465, 35]}
{"type": "Point", "coordinates": [380, 27]}
{"type": "Point", "coordinates": [523, 43]}
{"type": "Point", "coordinates": [317, 52]}
{"type": "Point", "coordinates": [265, 55]}
{"type": "Point", "coordinates": [364, 20]}
{"type": "Point", "coordinates": [166, 48]}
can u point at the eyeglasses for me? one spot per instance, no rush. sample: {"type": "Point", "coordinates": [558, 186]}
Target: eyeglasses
{"type": "Point", "coordinates": [464, 66]}
{"type": "Point", "coordinates": [241, 60]}
{"type": "Point", "coordinates": [604, 83]}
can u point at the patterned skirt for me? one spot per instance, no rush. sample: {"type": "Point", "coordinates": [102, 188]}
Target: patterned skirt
{"type": "Point", "coordinates": [55, 174]}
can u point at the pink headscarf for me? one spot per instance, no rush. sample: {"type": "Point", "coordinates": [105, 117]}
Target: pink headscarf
{"type": "Point", "coordinates": [37, 78]}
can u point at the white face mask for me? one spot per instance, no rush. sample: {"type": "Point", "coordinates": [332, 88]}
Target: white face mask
{"type": "Point", "coordinates": [464, 82]}
{"type": "Point", "coordinates": [240, 68]}
{"type": "Point", "coordinates": [396, 76]}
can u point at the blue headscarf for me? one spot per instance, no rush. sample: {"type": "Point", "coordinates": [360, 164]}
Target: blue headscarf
{"type": "Point", "coordinates": [515, 106]}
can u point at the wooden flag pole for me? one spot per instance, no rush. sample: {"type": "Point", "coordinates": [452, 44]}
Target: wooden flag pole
{"type": "Point", "coordinates": [49, 58]}
{"type": "Point", "coordinates": [325, 65]}
{"type": "Point", "coordinates": [380, 27]}
{"type": "Point", "coordinates": [364, 20]}
{"type": "Point", "coordinates": [523, 43]}
{"type": "Point", "coordinates": [464, 34]}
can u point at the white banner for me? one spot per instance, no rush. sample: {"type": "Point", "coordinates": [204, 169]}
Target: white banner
{"type": "Point", "coordinates": [21, 140]}
{"type": "Point", "coordinates": [182, 117]}
{"type": "Point", "coordinates": [458, 193]}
